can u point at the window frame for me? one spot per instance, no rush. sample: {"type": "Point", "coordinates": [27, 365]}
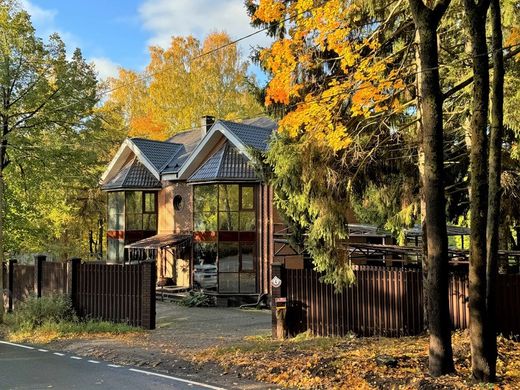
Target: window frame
{"type": "Point", "coordinates": [230, 236]}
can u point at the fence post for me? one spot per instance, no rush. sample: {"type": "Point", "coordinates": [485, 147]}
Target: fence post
{"type": "Point", "coordinates": [72, 280]}
{"type": "Point", "coordinates": [278, 291]}
{"type": "Point", "coordinates": [148, 282]}
{"type": "Point", "coordinates": [38, 274]}
{"type": "Point", "coordinates": [10, 285]}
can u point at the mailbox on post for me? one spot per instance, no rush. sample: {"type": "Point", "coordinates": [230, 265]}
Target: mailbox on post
{"type": "Point", "coordinates": [281, 312]}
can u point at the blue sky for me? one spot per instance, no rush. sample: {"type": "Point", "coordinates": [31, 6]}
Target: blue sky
{"type": "Point", "coordinates": [114, 33]}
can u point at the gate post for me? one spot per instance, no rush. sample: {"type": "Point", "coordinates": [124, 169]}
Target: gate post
{"type": "Point", "coordinates": [72, 280]}
{"type": "Point", "coordinates": [38, 274]}
{"type": "Point", "coordinates": [148, 282]}
{"type": "Point", "coordinates": [10, 285]}
{"type": "Point", "coordinates": [278, 294]}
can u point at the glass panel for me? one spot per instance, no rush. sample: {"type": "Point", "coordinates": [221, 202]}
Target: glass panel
{"type": "Point", "coordinates": [150, 222]}
{"type": "Point", "coordinates": [205, 198]}
{"type": "Point", "coordinates": [134, 202]}
{"type": "Point", "coordinates": [115, 250]}
{"type": "Point", "coordinates": [134, 222]}
{"type": "Point", "coordinates": [205, 265]}
{"type": "Point", "coordinates": [116, 208]}
{"type": "Point", "coordinates": [248, 202]}
{"type": "Point", "coordinates": [247, 221]}
{"type": "Point", "coordinates": [149, 202]}
{"type": "Point", "coordinates": [205, 221]}
{"type": "Point", "coordinates": [228, 283]}
{"type": "Point", "coordinates": [228, 220]}
{"type": "Point", "coordinates": [228, 197]}
{"type": "Point", "coordinates": [247, 283]}
{"type": "Point", "coordinates": [228, 257]}
{"type": "Point", "coordinates": [248, 259]}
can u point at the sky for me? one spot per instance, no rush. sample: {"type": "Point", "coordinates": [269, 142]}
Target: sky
{"type": "Point", "coordinates": [117, 33]}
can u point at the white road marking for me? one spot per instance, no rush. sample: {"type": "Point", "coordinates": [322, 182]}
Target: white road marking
{"type": "Point", "coordinates": [176, 379]}
{"type": "Point", "coordinates": [16, 345]}
{"type": "Point", "coordinates": [42, 350]}
{"type": "Point", "coordinates": [188, 382]}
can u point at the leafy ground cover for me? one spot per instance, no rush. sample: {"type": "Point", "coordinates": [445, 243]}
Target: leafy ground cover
{"type": "Point", "coordinates": [308, 362]}
{"type": "Point", "coordinates": [42, 320]}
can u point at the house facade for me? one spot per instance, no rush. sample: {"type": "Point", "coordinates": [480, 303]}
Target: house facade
{"type": "Point", "coordinates": [195, 204]}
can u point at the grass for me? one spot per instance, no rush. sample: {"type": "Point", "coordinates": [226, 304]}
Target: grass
{"type": "Point", "coordinates": [42, 320]}
{"type": "Point", "coordinates": [51, 331]}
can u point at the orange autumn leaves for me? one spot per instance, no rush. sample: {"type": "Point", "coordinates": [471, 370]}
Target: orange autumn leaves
{"type": "Point", "coordinates": [183, 82]}
{"type": "Point", "coordinates": [358, 80]}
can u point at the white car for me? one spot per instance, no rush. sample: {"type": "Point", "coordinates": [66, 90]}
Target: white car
{"type": "Point", "coordinates": [205, 276]}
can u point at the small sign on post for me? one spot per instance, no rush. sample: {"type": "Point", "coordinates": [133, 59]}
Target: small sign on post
{"type": "Point", "coordinates": [276, 282]}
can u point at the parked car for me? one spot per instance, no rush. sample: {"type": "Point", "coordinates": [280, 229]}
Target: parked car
{"type": "Point", "coordinates": [205, 276]}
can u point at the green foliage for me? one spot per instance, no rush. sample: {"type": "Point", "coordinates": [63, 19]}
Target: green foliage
{"type": "Point", "coordinates": [384, 205]}
{"type": "Point", "coordinates": [55, 144]}
{"type": "Point", "coordinates": [313, 199]}
{"type": "Point", "coordinates": [51, 317]}
{"type": "Point", "coordinates": [34, 312]}
{"type": "Point", "coordinates": [197, 299]}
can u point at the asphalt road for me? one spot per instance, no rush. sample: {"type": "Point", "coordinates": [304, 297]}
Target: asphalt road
{"type": "Point", "coordinates": [28, 367]}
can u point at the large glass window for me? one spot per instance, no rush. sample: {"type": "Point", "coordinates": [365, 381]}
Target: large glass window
{"type": "Point", "coordinates": [228, 210]}
{"type": "Point", "coordinates": [116, 210]}
{"type": "Point", "coordinates": [205, 208]}
{"type": "Point", "coordinates": [141, 212]}
{"type": "Point", "coordinates": [115, 249]}
{"type": "Point", "coordinates": [205, 265]}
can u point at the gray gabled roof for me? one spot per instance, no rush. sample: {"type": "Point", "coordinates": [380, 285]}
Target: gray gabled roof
{"type": "Point", "coordinates": [252, 135]}
{"type": "Point", "coordinates": [226, 164]}
{"type": "Point", "coordinates": [159, 153]}
{"type": "Point", "coordinates": [133, 175]}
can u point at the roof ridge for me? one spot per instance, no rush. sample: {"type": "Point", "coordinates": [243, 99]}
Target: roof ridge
{"type": "Point", "coordinates": [173, 156]}
{"type": "Point", "coordinates": [155, 141]}
{"type": "Point", "coordinates": [224, 147]}
{"type": "Point", "coordinates": [245, 124]}
{"type": "Point", "coordinates": [128, 167]}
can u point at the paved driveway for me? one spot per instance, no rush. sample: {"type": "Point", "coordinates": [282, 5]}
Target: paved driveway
{"type": "Point", "coordinates": [202, 327]}
{"type": "Point", "coordinates": [181, 334]}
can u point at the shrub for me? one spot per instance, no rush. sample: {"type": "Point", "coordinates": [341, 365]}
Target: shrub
{"type": "Point", "coordinates": [197, 298]}
{"type": "Point", "coordinates": [35, 312]}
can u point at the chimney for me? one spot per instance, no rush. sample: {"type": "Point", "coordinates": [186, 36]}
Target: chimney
{"type": "Point", "coordinates": [206, 122]}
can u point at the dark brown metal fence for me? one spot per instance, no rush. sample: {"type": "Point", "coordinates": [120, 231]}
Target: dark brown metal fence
{"type": "Point", "coordinates": [54, 278]}
{"type": "Point", "coordinates": [22, 282]}
{"type": "Point", "coordinates": [385, 301]}
{"type": "Point", "coordinates": [110, 292]}
{"type": "Point", "coordinates": [115, 292]}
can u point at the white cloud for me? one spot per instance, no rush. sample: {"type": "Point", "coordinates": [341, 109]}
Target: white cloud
{"type": "Point", "coordinates": [165, 18]}
{"type": "Point", "coordinates": [44, 21]}
{"type": "Point", "coordinates": [39, 16]}
{"type": "Point", "coordinates": [105, 67]}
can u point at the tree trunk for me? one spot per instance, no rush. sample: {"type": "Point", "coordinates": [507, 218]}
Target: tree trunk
{"type": "Point", "coordinates": [2, 260]}
{"type": "Point", "coordinates": [424, 259]}
{"type": "Point", "coordinates": [476, 16]}
{"type": "Point", "coordinates": [495, 172]}
{"type": "Point", "coordinates": [3, 164]}
{"type": "Point", "coordinates": [100, 239]}
{"type": "Point", "coordinates": [430, 103]}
